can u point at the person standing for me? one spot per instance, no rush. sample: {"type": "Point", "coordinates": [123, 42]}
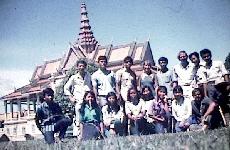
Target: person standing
{"type": "Point", "coordinates": [103, 81]}
{"type": "Point", "coordinates": [218, 83]}
{"type": "Point", "coordinates": [165, 76]}
{"type": "Point", "coordinates": [75, 89]}
{"type": "Point", "coordinates": [184, 74]}
{"type": "Point", "coordinates": [148, 77]}
{"type": "Point", "coordinates": [200, 78]}
{"type": "Point", "coordinates": [125, 79]}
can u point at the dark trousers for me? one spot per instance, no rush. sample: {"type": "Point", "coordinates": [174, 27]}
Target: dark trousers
{"type": "Point", "coordinates": [61, 127]}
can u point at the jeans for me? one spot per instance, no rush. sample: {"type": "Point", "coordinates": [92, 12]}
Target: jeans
{"type": "Point", "coordinates": [183, 129]}
{"type": "Point", "coordinates": [61, 127]}
{"type": "Point", "coordinates": [159, 128]}
{"type": "Point", "coordinates": [118, 127]}
{"type": "Point", "coordinates": [137, 127]}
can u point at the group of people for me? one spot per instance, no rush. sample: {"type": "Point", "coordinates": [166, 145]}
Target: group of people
{"type": "Point", "coordinates": [193, 94]}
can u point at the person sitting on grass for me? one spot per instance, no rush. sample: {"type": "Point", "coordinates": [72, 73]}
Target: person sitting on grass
{"type": "Point", "coordinates": [203, 118]}
{"type": "Point", "coordinates": [181, 110]}
{"type": "Point", "coordinates": [50, 119]}
{"type": "Point", "coordinates": [135, 111]}
{"type": "Point", "coordinates": [113, 116]}
{"type": "Point", "coordinates": [159, 110]}
{"type": "Point", "coordinates": [91, 123]}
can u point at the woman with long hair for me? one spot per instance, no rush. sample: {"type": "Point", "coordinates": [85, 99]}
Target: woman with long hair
{"type": "Point", "coordinates": [135, 111]}
{"type": "Point", "coordinates": [113, 116]}
{"type": "Point", "coordinates": [159, 110]}
{"type": "Point", "coordinates": [91, 123]}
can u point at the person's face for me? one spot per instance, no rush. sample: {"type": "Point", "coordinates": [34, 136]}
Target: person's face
{"type": "Point", "coordinates": [111, 99]}
{"type": "Point", "coordinates": [183, 56]}
{"type": "Point", "coordinates": [195, 60]}
{"type": "Point", "coordinates": [128, 64]}
{"type": "Point", "coordinates": [48, 97]}
{"type": "Point", "coordinates": [206, 57]}
{"type": "Point", "coordinates": [197, 96]}
{"type": "Point", "coordinates": [81, 67]}
{"type": "Point", "coordinates": [102, 63]}
{"type": "Point", "coordinates": [178, 95]}
{"type": "Point", "coordinates": [146, 91]}
{"type": "Point", "coordinates": [163, 64]}
{"type": "Point", "coordinates": [133, 93]}
{"type": "Point", "coordinates": [161, 94]}
{"type": "Point", "coordinates": [89, 97]}
{"type": "Point", "coordinates": [147, 67]}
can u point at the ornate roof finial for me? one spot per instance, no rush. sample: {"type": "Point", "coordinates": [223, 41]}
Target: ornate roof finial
{"type": "Point", "coordinates": [86, 39]}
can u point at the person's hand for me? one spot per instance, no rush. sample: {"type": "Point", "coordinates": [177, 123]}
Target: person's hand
{"type": "Point", "coordinates": [181, 124]}
{"type": "Point", "coordinates": [166, 99]}
{"type": "Point", "coordinates": [72, 99]}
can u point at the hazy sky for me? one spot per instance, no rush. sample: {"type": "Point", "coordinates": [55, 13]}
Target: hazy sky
{"type": "Point", "coordinates": [32, 31]}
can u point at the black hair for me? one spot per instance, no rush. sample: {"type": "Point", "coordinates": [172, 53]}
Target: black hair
{"type": "Point", "coordinates": [94, 103]}
{"type": "Point", "coordinates": [205, 51]}
{"type": "Point", "coordinates": [163, 59]}
{"type": "Point", "coordinates": [81, 62]}
{"type": "Point", "coordinates": [102, 58]}
{"type": "Point", "coordinates": [47, 91]}
{"type": "Point", "coordinates": [162, 88]}
{"type": "Point", "coordinates": [128, 59]}
{"type": "Point", "coordinates": [151, 93]}
{"type": "Point", "coordinates": [195, 54]}
{"type": "Point", "coordinates": [128, 93]}
{"type": "Point", "coordinates": [196, 90]}
{"type": "Point", "coordinates": [177, 89]}
{"type": "Point", "coordinates": [115, 107]}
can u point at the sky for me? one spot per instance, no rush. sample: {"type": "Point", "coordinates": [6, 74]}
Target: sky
{"type": "Point", "coordinates": [32, 31]}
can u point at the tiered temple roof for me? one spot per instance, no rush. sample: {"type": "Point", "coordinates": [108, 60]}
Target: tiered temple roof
{"type": "Point", "coordinates": [85, 47]}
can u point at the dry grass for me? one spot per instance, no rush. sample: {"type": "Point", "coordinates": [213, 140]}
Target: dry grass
{"type": "Point", "coordinates": [210, 140]}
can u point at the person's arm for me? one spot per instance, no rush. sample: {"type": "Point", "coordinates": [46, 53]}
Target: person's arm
{"type": "Point", "coordinates": [188, 112]}
{"type": "Point", "coordinates": [105, 116]}
{"type": "Point", "coordinates": [166, 108]}
{"type": "Point", "coordinates": [118, 84]}
{"type": "Point", "coordinates": [174, 77]}
{"type": "Point", "coordinates": [210, 109]}
{"type": "Point", "coordinates": [174, 112]}
{"type": "Point", "coordinates": [81, 130]}
{"type": "Point", "coordinates": [102, 128]}
{"type": "Point", "coordinates": [67, 91]}
{"type": "Point", "coordinates": [94, 84]}
{"type": "Point", "coordinates": [157, 118]}
{"type": "Point", "coordinates": [139, 83]}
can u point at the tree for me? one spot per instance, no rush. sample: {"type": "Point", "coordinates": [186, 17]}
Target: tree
{"type": "Point", "coordinates": [227, 62]}
{"type": "Point", "coordinates": [60, 97]}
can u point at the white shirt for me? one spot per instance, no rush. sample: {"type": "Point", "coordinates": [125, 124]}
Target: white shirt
{"type": "Point", "coordinates": [126, 80]}
{"type": "Point", "coordinates": [185, 76]}
{"type": "Point", "coordinates": [103, 83]}
{"type": "Point", "coordinates": [148, 80]}
{"type": "Point", "coordinates": [148, 109]}
{"type": "Point", "coordinates": [79, 85]}
{"type": "Point", "coordinates": [183, 111]}
{"type": "Point", "coordinates": [110, 116]}
{"type": "Point", "coordinates": [216, 71]}
{"type": "Point", "coordinates": [135, 110]}
{"type": "Point", "coordinates": [200, 75]}
{"type": "Point", "coordinates": [165, 79]}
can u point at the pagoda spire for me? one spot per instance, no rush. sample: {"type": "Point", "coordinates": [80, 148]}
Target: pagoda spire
{"type": "Point", "coordinates": [86, 39]}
